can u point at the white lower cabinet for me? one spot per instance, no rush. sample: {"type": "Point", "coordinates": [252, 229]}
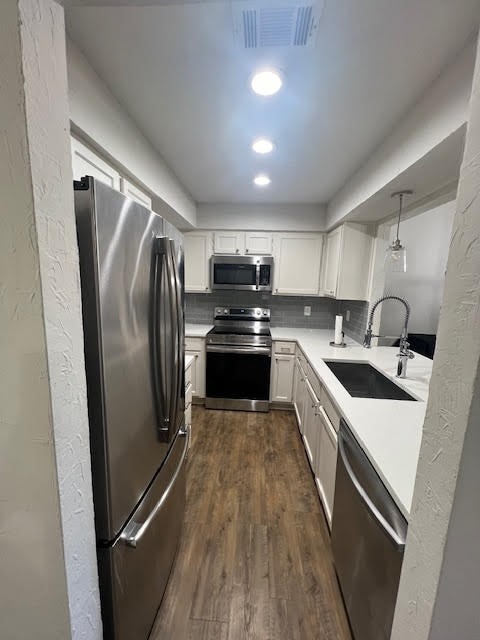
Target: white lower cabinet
{"type": "Point", "coordinates": [326, 463]}
{"type": "Point", "coordinates": [195, 347]}
{"type": "Point", "coordinates": [318, 421]}
{"type": "Point", "coordinates": [299, 393]}
{"type": "Point", "coordinates": [281, 380]}
{"type": "Point", "coordinates": [311, 425]}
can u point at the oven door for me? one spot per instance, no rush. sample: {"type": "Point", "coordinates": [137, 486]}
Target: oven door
{"type": "Point", "coordinates": [244, 273]}
{"type": "Point", "coordinates": [238, 377]}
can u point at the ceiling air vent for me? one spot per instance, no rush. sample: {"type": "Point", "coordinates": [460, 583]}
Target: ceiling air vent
{"type": "Point", "coordinates": [286, 24]}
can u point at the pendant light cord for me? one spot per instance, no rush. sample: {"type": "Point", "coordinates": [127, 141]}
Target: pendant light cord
{"type": "Point", "coordinates": [400, 195]}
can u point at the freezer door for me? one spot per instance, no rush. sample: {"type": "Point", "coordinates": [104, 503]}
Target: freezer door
{"type": "Point", "coordinates": [135, 570]}
{"type": "Point", "coordinates": [118, 259]}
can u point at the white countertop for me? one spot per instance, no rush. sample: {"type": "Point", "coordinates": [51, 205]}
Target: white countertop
{"type": "Point", "coordinates": [188, 361]}
{"type": "Point", "coordinates": [197, 330]}
{"type": "Point", "coordinates": [389, 431]}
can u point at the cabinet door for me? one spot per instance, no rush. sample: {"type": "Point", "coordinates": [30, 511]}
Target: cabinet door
{"type": "Point", "coordinates": [229, 242]}
{"type": "Point", "coordinates": [86, 162]}
{"type": "Point", "coordinates": [299, 393]}
{"type": "Point", "coordinates": [282, 378]}
{"type": "Point", "coordinates": [311, 427]}
{"type": "Point", "coordinates": [326, 464]}
{"type": "Point", "coordinates": [297, 264]}
{"type": "Point", "coordinates": [193, 371]}
{"type": "Point", "coordinates": [258, 243]}
{"type": "Point", "coordinates": [133, 192]}
{"type": "Point", "coordinates": [332, 262]}
{"type": "Point", "coordinates": [198, 373]}
{"type": "Point", "coordinates": [198, 250]}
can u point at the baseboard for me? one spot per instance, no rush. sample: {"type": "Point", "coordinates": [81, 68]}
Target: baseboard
{"type": "Point", "coordinates": [283, 406]}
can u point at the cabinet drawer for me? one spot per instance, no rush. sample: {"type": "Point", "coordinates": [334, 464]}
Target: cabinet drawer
{"type": "Point", "coordinates": [188, 375]}
{"type": "Point", "coordinates": [330, 409]}
{"type": "Point", "coordinates": [194, 344]}
{"type": "Point", "coordinates": [301, 358]}
{"type": "Point", "coordinates": [284, 347]}
{"type": "Point", "coordinates": [188, 395]}
{"type": "Point", "coordinates": [314, 381]}
{"type": "Point", "coordinates": [188, 416]}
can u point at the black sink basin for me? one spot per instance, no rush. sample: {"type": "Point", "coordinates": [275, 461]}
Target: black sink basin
{"type": "Point", "coordinates": [361, 380]}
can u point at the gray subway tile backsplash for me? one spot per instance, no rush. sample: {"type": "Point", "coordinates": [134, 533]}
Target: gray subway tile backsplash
{"type": "Point", "coordinates": [286, 311]}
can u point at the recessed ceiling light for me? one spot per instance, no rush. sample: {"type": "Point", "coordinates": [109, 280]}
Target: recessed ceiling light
{"type": "Point", "coordinates": [261, 180]}
{"type": "Point", "coordinates": [262, 145]}
{"type": "Point", "coordinates": [266, 82]}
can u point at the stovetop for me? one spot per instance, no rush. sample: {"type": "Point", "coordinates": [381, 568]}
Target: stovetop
{"type": "Point", "coordinates": [240, 325]}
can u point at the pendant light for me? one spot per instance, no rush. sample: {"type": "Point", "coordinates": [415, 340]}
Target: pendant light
{"type": "Point", "coordinates": [396, 256]}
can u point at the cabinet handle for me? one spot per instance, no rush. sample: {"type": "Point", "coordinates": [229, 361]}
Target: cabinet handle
{"type": "Point", "coordinates": [246, 250]}
{"type": "Point", "coordinates": [237, 250]}
{"type": "Point", "coordinates": [276, 290]}
{"type": "Point", "coordinates": [206, 288]}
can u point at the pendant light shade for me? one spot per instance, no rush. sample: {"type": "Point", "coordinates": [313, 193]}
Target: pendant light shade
{"type": "Point", "coordinates": [396, 255]}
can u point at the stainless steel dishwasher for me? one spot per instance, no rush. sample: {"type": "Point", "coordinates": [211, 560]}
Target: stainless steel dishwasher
{"type": "Point", "coordinates": [368, 541]}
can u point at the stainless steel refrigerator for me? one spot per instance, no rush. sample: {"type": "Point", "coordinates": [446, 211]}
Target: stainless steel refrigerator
{"type": "Point", "coordinates": [131, 268]}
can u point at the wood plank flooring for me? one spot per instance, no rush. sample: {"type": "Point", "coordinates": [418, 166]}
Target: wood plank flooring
{"type": "Point", "coordinates": [254, 561]}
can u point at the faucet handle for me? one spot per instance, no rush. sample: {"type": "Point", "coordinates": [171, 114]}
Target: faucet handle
{"type": "Point", "coordinates": [406, 354]}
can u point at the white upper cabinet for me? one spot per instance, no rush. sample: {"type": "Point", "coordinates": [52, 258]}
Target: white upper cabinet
{"type": "Point", "coordinates": [331, 261]}
{"type": "Point", "coordinates": [198, 250]}
{"type": "Point", "coordinates": [258, 243]}
{"type": "Point", "coordinates": [133, 192]}
{"type": "Point", "coordinates": [86, 162]}
{"type": "Point", "coordinates": [229, 242]}
{"type": "Point", "coordinates": [346, 267]}
{"type": "Point", "coordinates": [297, 263]}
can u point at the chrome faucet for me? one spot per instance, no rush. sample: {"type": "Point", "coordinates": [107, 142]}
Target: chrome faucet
{"type": "Point", "coordinates": [404, 355]}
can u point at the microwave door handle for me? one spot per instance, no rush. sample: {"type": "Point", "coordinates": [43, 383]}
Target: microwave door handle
{"type": "Point", "coordinates": [158, 344]}
{"type": "Point", "coordinates": [393, 536]}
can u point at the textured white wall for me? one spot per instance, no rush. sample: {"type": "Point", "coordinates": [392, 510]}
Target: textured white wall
{"type": "Point", "coordinates": [97, 114]}
{"type": "Point", "coordinates": [442, 110]}
{"type": "Point", "coordinates": [440, 582]}
{"type": "Point", "coordinates": [261, 217]}
{"type": "Point", "coordinates": [49, 585]}
{"type": "Point", "coordinates": [427, 238]}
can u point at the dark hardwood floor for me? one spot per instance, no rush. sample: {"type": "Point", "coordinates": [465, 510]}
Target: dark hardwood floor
{"type": "Point", "coordinates": [254, 561]}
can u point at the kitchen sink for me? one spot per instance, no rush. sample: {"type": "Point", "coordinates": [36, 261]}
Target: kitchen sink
{"type": "Point", "coordinates": [361, 380]}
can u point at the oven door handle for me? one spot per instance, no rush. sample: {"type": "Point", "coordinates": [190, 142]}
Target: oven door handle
{"type": "Point", "coordinates": [257, 275]}
{"type": "Point", "coordinates": [249, 350]}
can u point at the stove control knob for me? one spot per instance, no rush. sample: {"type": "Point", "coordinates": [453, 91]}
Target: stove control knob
{"type": "Point", "coordinates": [225, 311]}
{"type": "Point", "coordinates": [265, 313]}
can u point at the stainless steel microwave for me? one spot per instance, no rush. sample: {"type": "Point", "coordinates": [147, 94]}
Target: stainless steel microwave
{"type": "Point", "coordinates": [246, 273]}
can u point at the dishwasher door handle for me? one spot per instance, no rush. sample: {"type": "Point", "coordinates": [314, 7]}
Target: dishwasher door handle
{"type": "Point", "coordinates": [397, 540]}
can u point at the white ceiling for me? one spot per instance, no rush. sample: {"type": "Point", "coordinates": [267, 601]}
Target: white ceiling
{"type": "Point", "coordinates": [181, 76]}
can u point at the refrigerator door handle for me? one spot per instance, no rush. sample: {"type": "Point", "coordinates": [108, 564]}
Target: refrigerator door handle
{"type": "Point", "coordinates": [134, 531]}
{"type": "Point", "coordinates": [159, 387]}
{"type": "Point", "coordinates": [179, 325]}
{"type": "Point", "coordinates": [164, 392]}
{"type": "Point", "coordinates": [175, 333]}
{"type": "Point", "coordinates": [396, 540]}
